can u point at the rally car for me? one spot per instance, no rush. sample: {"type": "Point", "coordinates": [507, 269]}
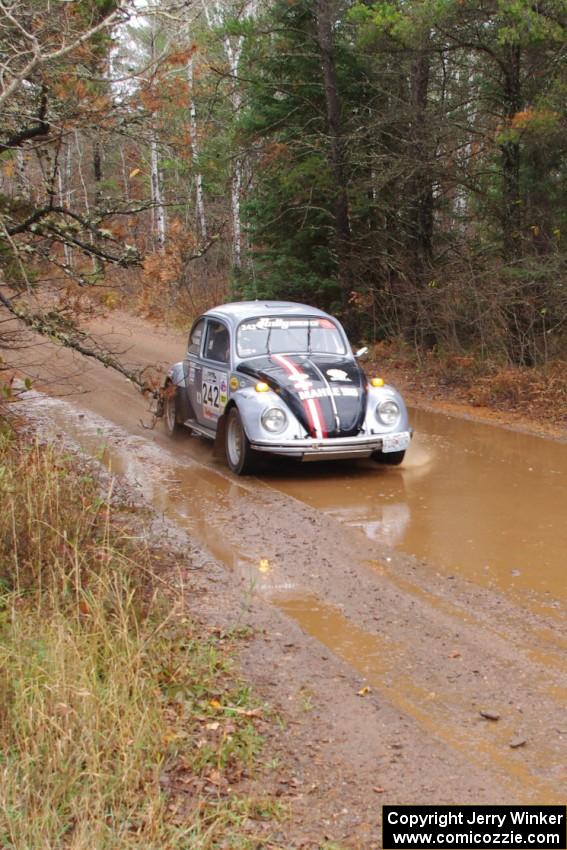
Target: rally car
{"type": "Point", "coordinates": [280, 378]}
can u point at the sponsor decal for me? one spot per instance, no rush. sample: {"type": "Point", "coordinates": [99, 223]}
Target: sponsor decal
{"type": "Point", "coordinates": [234, 383]}
{"type": "Point", "coordinates": [327, 392]}
{"type": "Point", "coordinates": [266, 323]}
{"type": "Point", "coordinates": [318, 392]}
{"type": "Point", "coordinates": [337, 375]}
{"type": "Point", "coordinates": [213, 393]}
{"type": "Point", "coordinates": [301, 382]}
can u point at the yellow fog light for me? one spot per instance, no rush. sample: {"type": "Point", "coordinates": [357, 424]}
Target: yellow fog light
{"type": "Point", "coordinates": [377, 382]}
{"type": "Point", "coordinates": [261, 387]}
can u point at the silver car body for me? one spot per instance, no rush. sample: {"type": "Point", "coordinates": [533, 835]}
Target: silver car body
{"type": "Point", "coordinates": [208, 382]}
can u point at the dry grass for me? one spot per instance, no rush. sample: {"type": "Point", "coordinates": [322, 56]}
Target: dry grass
{"type": "Point", "coordinates": [120, 726]}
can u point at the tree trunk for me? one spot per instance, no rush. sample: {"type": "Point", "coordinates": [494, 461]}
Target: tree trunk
{"type": "Point", "coordinates": [125, 179]}
{"type": "Point", "coordinates": [156, 193]}
{"type": "Point", "coordinates": [22, 181]}
{"type": "Point", "coordinates": [97, 170]}
{"type": "Point", "coordinates": [325, 41]}
{"type": "Point", "coordinates": [510, 162]}
{"type": "Point", "coordinates": [64, 186]}
{"type": "Point", "coordinates": [200, 202]}
{"type": "Point", "coordinates": [233, 53]}
{"type": "Point", "coordinates": [216, 14]}
{"type": "Point", "coordinates": [421, 185]}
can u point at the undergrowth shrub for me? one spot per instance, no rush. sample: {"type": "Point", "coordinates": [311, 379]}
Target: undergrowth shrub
{"type": "Point", "coordinates": [539, 392]}
{"type": "Point", "coordinates": [542, 392]}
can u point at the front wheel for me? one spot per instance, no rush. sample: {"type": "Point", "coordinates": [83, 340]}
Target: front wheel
{"type": "Point", "coordinates": [241, 459]}
{"type": "Point", "coordinates": [389, 458]}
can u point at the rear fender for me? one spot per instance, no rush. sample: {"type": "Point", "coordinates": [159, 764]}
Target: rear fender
{"type": "Point", "coordinates": [176, 377]}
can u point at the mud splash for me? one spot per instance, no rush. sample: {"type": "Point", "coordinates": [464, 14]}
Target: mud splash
{"type": "Point", "coordinates": [479, 501]}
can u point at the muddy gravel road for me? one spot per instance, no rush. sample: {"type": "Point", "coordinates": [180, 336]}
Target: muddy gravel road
{"type": "Point", "coordinates": [410, 623]}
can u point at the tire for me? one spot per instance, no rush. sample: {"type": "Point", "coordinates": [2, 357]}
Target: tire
{"type": "Point", "coordinates": [170, 417]}
{"type": "Point", "coordinates": [241, 459]}
{"type": "Point", "coordinates": [389, 458]}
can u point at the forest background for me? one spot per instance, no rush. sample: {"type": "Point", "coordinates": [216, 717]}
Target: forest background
{"type": "Point", "coordinates": [402, 164]}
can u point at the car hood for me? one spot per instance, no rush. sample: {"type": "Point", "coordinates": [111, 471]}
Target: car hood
{"type": "Point", "coordinates": [326, 393]}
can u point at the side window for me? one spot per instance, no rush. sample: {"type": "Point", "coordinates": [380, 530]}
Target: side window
{"type": "Point", "coordinates": [195, 338]}
{"type": "Point", "coordinates": [217, 345]}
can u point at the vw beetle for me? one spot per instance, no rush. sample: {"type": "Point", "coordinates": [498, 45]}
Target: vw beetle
{"type": "Point", "coordinates": [280, 378]}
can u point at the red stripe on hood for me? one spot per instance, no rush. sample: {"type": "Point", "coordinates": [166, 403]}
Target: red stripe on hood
{"type": "Point", "coordinates": [311, 405]}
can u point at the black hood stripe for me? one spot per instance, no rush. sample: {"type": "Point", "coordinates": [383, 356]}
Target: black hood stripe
{"type": "Point", "coordinates": [332, 402]}
{"type": "Point", "coordinates": [326, 393]}
{"type": "Point", "coordinates": [313, 410]}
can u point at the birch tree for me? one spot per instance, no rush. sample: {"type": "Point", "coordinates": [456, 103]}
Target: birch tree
{"type": "Point", "coordinates": [155, 174]}
{"type": "Point", "coordinates": [199, 192]}
{"type": "Point", "coordinates": [218, 14]}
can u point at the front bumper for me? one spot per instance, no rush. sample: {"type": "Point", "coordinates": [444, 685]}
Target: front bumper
{"type": "Point", "coordinates": [330, 448]}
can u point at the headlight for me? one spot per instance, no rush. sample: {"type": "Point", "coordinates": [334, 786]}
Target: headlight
{"type": "Point", "coordinates": [274, 420]}
{"type": "Point", "coordinates": [388, 412]}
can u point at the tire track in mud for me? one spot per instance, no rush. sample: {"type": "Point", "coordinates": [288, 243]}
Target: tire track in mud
{"type": "Point", "coordinates": [431, 657]}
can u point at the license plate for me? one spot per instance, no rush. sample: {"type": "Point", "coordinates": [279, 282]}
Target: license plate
{"type": "Point", "coordinates": [396, 442]}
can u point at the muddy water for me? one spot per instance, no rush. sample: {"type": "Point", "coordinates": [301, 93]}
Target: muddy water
{"type": "Point", "coordinates": [210, 503]}
{"type": "Point", "coordinates": [194, 497]}
{"type": "Point", "coordinates": [444, 714]}
{"type": "Point", "coordinates": [475, 500]}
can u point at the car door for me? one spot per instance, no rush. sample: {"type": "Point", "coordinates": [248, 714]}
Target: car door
{"type": "Point", "coordinates": [215, 362]}
{"type": "Point", "coordinates": [193, 368]}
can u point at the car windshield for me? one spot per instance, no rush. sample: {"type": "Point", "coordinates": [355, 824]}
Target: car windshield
{"type": "Point", "coordinates": [273, 335]}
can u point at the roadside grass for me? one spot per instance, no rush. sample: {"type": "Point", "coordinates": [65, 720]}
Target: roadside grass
{"type": "Point", "coordinates": [122, 724]}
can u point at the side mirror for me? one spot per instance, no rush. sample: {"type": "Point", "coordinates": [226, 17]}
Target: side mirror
{"type": "Point", "coordinates": [361, 352]}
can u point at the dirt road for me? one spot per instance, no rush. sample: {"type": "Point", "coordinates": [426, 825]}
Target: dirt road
{"type": "Point", "coordinates": [394, 610]}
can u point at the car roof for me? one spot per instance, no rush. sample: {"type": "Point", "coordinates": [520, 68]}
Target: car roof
{"type": "Point", "coordinates": [237, 311]}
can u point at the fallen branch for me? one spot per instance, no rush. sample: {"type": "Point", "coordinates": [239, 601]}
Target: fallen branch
{"type": "Point", "coordinates": [52, 326]}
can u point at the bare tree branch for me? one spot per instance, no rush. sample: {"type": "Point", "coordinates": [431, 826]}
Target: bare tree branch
{"type": "Point", "coordinates": [55, 327]}
{"type": "Point", "coordinates": [40, 58]}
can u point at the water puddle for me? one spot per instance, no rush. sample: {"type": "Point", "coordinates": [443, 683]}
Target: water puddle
{"type": "Point", "coordinates": [448, 716]}
{"type": "Point", "coordinates": [196, 498]}
{"type": "Point", "coordinates": [479, 501]}
{"type": "Point", "coordinates": [423, 508]}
